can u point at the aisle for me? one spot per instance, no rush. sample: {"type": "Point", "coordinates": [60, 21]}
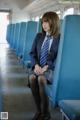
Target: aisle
{"type": "Point", "coordinates": [16, 98]}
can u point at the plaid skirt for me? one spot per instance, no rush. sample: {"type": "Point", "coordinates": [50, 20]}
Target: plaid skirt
{"type": "Point", "coordinates": [47, 74]}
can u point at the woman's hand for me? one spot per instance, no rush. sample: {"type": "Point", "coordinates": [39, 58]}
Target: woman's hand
{"type": "Point", "coordinates": [38, 69]}
{"type": "Point", "coordinates": [44, 68]}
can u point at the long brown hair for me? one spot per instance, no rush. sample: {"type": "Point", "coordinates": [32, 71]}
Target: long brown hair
{"type": "Point", "coordinates": [53, 20]}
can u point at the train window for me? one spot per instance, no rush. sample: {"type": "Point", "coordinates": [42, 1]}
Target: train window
{"type": "Point", "coordinates": [68, 12]}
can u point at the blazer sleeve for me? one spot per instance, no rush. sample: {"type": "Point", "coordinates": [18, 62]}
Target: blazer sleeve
{"type": "Point", "coordinates": [33, 52]}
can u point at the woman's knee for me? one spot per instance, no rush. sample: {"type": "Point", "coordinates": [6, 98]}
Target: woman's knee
{"type": "Point", "coordinates": [32, 78]}
{"type": "Point", "coordinates": [42, 80]}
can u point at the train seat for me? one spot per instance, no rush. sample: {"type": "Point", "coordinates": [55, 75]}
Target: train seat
{"type": "Point", "coordinates": [66, 76]}
{"type": "Point", "coordinates": [22, 35]}
{"type": "Point", "coordinates": [70, 109]}
{"type": "Point", "coordinates": [31, 31]}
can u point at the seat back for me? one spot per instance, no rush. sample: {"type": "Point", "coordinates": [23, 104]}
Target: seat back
{"type": "Point", "coordinates": [30, 35]}
{"type": "Point", "coordinates": [66, 83]}
{"type": "Point", "coordinates": [22, 35]}
{"type": "Point", "coordinates": [39, 26]}
{"type": "Point", "coordinates": [12, 35]}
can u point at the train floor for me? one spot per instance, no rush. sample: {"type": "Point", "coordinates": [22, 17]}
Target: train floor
{"type": "Point", "coordinates": [17, 98]}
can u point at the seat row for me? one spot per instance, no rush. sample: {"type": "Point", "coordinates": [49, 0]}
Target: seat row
{"type": "Point", "coordinates": [66, 77]}
{"type": "Point", "coordinates": [65, 90]}
{"type": "Point", "coordinates": [20, 37]}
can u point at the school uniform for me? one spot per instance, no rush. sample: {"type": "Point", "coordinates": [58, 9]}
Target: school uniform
{"type": "Point", "coordinates": [52, 54]}
{"type": "Point", "coordinates": [41, 99]}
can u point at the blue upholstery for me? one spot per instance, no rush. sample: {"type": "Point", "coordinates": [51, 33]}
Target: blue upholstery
{"type": "Point", "coordinates": [22, 35]}
{"type": "Point", "coordinates": [30, 35]}
{"type": "Point", "coordinates": [66, 76]}
{"type": "Point", "coordinates": [12, 35]}
{"type": "Point", "coordinates": [39, 26]}
{"type": "Point", "coordinates": [71, 108]}
{"type": "Point", "coordinates": [16, 36]}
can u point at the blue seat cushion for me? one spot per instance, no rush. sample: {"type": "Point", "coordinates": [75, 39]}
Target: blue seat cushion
{"type": "Point", "coordinates": [71, 108]}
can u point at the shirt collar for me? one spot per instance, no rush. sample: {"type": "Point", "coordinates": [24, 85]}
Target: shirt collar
{"type": "Point", "coordinates": [48, 34]}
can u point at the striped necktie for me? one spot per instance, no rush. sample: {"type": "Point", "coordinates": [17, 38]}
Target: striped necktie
{"type": "Point", "coordinates": [44, 52]}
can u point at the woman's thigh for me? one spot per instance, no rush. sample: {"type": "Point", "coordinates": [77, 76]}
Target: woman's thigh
{"type": "Point", "coordinates": [48, 75]}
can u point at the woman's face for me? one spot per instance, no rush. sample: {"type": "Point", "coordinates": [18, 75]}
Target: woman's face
{"type": "Point", "coordinates": [46, 26]}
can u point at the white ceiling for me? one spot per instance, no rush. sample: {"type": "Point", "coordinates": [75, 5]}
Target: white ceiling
{"type": "Point", "coordinates": [38, 7]}
{"type": "Point", "coordinates": [11, 4]}
{"type": "Point", "coordinates": [22, 4]}
{"type": "Point", "coordinates": [33, 6]}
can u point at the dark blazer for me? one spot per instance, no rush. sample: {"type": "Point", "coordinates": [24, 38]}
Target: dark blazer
{"type": "Point", "coordinates": [36, 48]}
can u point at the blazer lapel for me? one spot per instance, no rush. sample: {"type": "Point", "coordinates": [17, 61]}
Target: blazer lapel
{"type": "Point", "coordinates": [53, 44]}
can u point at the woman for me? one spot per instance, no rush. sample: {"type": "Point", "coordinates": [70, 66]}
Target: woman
{"type": "Point", "coordinates": [43, 55]}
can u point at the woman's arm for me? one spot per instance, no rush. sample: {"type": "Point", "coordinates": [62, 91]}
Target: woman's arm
{"type": "Point", "coordinates": [33, 52]}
